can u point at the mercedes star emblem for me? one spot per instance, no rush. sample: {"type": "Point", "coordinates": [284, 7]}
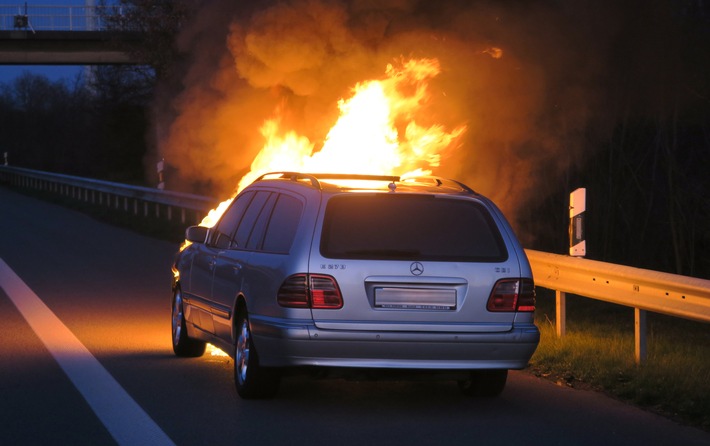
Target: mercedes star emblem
{"type": "Point", "coordinates": [416, 268]}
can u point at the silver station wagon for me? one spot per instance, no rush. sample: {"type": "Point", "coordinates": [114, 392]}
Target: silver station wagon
{"type": "Point", "coordinates": [354, 275]}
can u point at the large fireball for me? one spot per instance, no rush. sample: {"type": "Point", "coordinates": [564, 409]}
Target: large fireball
{"type": "Point", "coordinates": [376, 133]}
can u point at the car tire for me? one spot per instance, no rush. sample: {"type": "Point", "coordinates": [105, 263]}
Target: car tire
{"type": "Point", "coordinates": [484, 383]}
{"type": "Point", "coordinates": [251, 379]}
{"type": "Point", "coordinates": [183, 345]}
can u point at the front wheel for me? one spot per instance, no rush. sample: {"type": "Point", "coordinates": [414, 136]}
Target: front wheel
{"type": "Point", "coordinates": [251, 379]}
{"type": "Point", "coordinates": [182, 344]}
{"type": "Point", "coordinates": [484, 383]}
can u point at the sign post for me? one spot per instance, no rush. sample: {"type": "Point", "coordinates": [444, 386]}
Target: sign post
{"type": "Point", "coordinates": [160, 167]}
{"type": "Point", "coordinates": [577, 248]}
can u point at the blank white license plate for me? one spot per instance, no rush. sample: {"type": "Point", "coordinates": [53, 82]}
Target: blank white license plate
{"type": "Point", "coordinates": [416, 298]}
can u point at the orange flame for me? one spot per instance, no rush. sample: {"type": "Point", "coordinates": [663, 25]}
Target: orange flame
{"type": "Point", "coordinates": [365, 139]}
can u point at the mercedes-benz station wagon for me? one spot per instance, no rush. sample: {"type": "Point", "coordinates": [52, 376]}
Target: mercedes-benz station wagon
{"type": "Point", "coordinates": [357, 274]}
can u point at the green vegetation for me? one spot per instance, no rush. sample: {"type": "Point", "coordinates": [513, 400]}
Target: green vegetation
{"type": "Point", "coordinates": [598, 353]}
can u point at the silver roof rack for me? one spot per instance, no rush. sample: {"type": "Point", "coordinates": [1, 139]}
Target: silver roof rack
{"type": "Point", "coordinates": [439, 182]}
{"type": "Point", "coordinates": [315, 177]}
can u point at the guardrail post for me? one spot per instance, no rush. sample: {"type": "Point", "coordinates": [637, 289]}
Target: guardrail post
{"type": "Point", "coordinates": [560, 312]}
{"type": "Point", "coordinates": [640, 335]}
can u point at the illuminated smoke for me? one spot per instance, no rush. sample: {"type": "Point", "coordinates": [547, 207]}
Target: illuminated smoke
{"type": "Point", "coordinates": [522, 77]}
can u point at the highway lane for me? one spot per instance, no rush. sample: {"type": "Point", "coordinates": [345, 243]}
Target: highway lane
{"type": "Point", "coordinates": [110, 287]}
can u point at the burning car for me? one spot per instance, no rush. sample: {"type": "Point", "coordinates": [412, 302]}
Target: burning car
{"type": "Point", "coordinates": [357, 273]}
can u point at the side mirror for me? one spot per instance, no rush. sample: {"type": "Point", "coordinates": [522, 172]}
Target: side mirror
{"type": "Point", "coordinates": [196, 234]}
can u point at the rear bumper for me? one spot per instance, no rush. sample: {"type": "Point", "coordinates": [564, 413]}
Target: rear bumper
{"type": "Point", "coordinates": [282, 343]}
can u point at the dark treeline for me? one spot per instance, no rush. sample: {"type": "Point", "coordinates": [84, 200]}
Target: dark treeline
{"type": "Point", "coordinates": [647, 171]}
{"type": "Point", "coordinates": [94, 125]}
{"type": "Point", "coordinates": [647, 198]}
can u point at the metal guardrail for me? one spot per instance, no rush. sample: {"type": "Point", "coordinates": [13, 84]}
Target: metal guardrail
{"type": "Point", "coordinates": [641, 289]}
{"type": "Point", "coordinates": [54, 18]}
{"type": "Point", "coordinates": [141, 201]}
{"type": "Point", "coordinates": [681, 296]}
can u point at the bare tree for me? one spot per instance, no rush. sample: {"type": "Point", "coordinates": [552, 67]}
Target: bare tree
{"type": "Point", "coordinates": [158, 22]}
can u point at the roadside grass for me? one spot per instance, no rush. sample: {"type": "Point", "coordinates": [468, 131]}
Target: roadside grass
{"type": "Point", "coordinates": [597, 352]}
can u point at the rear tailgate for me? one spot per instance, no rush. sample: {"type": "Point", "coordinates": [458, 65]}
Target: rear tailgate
{"type": "Point", "coordinates": [412, 262]}
{"type": "Point", "coordinates": [386, 296]}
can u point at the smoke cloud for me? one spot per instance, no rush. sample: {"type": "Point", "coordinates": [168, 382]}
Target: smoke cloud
{"type": "Point", "coordinates": [524, 77]}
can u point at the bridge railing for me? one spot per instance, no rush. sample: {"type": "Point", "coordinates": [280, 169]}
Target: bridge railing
{"type": "Point", "coordinates": [54, 18]}
{"type": "Point", "coordinates": [641, 289]}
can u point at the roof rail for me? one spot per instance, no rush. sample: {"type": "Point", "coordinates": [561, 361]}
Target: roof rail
{"type": "Point", "coordinates": [314, 177]}
{"type": "Point", "coordinates": [291, 176]}
{"type": "Point", "coordinates": [352, 176]}
{"type": "Point", "coordinates": [439, 182]}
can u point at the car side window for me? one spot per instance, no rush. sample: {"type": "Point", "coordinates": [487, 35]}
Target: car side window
{"type": "Point", "coordinates": [224, 230]}
{"type": "Point", "coordinates": [283, 224]}
{"type": "Point", "coordinates": [257, 234]}
{"type": "Point", "coordinates": [246, 225]}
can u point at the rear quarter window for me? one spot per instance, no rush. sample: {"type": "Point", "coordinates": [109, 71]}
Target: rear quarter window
{"type": "Point", "coordinates": [283, 224]}
{"type": "Point", "coordinates": [246, 225]}
{"type": "Point", "coordinates": [408, 227]}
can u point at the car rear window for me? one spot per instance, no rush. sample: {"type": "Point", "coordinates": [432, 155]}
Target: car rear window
{"type": "Point", "coordinates": [405, 227]}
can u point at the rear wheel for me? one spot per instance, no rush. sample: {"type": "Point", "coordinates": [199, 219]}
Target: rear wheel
{"type": "Point", "coordinates": [251, 379]}
{"type": "Point", "coordinates": [485, 383]}
{"type": "Point", "coordinates": [183, 345]}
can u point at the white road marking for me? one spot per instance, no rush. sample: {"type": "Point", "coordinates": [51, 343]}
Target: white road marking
{"type": "Point", "coordinates": [125, 420]}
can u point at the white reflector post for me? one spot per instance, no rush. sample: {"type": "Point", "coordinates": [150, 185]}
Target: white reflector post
{"type": "Point", "coordinates": [577, 206]}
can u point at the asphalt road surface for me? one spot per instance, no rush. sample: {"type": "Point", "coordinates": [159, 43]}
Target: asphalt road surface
{"type": "Point", "coordinates": [85, 359]}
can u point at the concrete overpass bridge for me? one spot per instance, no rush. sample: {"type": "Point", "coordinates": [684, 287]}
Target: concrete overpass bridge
{"type": "Point", "coordinates": [63, 35]}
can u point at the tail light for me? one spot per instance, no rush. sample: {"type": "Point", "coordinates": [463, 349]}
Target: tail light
{"type": "Point", "coordinates": [512, 295]}
{"type": "Point", "coordinates": [526, 298]}
{"type": "Point", "coordinates": [315, 291]}
{"type": "Point", "coordinates": [325, 292]}
{"type": "Point", "coordinates": [294, 292]}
